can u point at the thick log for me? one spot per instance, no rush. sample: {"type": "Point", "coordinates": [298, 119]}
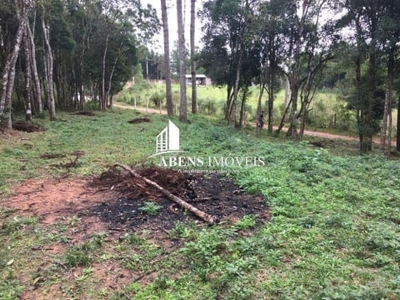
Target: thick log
{"type": "Point", "coordinates": [202, 215]}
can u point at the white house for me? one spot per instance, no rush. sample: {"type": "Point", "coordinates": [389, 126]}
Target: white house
{"type": "Point", "coordinates": [201, 79]}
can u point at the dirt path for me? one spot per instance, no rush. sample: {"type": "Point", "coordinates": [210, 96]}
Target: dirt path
{"type": "Point", "coordinates": [306, 132]}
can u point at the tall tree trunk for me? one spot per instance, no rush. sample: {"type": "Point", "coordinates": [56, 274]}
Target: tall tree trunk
{"type": "Point", "coordinates": [388, 104]}
{"type": "Point", "coordinates": [389, 138]}
{"type": "Point", "coordinates": [103, 98]}
{"type": "Point", "coordinates": [292, 131]}
{"type": "Point", "coordinates": [398, 125]}
{"type": "Point", "coordinates": [359, 113]}
{"type": "Point", "coordinates": [369, 119]}
{"type": "Point", "coordinates": [182, 63]}
{"type": "Point", "coordinates": [284, 117]}
{"type": "Point", "coordinates": [271, 98]}
{"type": "Point", "coordinates": [38, 104]}
{"type": "Point", "coordinates": [259, 105]}
{"type": "Point", "coordinates": [237, 87]}
{"type": "Point", "coordinates": [167, 65]}
{"type": "Point", "coordinates": [28, 79]}
{"type": "Point", "coordinates": [287, 95]}
{"type": "Point", "coordinates": [243, 107]}
{"type": "Point", "coordinates": [8, 75]}
{"type": "Point", "coordinates": [49, 69]}
{"type": "Point", "coordinates": [192, 55]}
{"type": "Point", "coordinates": [110, 79]}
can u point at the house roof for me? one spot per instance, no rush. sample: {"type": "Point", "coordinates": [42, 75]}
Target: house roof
{"type": "Point", "coordinates": [197, 76]}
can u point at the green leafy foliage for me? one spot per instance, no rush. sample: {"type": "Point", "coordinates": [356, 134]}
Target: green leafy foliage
{"type": "Point", "coordinates": [150, 208]}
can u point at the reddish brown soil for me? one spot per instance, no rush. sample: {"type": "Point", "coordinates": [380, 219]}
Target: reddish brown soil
{"type": "Point", "coordinates": [52, 200]}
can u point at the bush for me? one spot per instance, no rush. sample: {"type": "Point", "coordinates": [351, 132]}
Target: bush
{"type": "Point", "coordinates": [207, 106]}
{"type": "Point", "coordinates": [156, 98]}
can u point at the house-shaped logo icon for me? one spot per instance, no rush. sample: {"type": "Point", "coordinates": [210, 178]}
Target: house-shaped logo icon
{"type": "Point", "coordinates": [168, 139]}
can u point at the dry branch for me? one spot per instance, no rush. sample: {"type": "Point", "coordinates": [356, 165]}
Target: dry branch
{"type": "Point", "coordinates": [202, 215]}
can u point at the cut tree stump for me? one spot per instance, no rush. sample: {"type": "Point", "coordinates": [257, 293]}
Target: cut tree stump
{"type": "Point", "coordinates": [202, 215]}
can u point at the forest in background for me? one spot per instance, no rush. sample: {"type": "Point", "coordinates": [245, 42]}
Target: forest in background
{"type": "Point", "coordinates": [56, 55]}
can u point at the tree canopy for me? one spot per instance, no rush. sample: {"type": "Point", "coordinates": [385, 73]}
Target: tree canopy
{"type": "Point", "coordinates": [86, 48]}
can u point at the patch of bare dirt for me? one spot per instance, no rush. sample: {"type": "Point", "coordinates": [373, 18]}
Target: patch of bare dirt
{"type": "Point", "coordinates": [139, 120]}
{"type": "Point", "coordinates": [211, 193]}
{"type": "Point", "coordinates": [51, 200]}
{"type": "Point", "coordinates": [27, 126]}
{"type": "Point", "coordinates": [87, 113]}
{"type": "Point", "coordinates": [118, 200]}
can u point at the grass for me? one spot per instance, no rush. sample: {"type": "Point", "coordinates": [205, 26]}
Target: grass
{"type": "Point", "coordinates": [327, 113]}
{"type": "Point", "coordinates": [333, 232]}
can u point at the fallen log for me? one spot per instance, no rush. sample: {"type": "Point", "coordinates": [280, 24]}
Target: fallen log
{"type": "Point", "coordinates": [202, 215]}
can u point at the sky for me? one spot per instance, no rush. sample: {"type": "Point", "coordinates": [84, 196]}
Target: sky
{"type": "Point", "coordinates": [172, 22]}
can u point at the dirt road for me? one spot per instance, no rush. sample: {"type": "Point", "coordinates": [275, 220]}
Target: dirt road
{"type": "Point", "coordinates": [306, 132]}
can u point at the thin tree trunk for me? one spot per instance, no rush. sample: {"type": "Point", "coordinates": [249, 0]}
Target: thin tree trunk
{"type": "Point", "coordinates": [292, 132]}
{"type": "Point", "coordinates": [389, 138]}
{"type": "Point", "coordinates": [103, 99]}
{"type": "Point", "coordinates": [229, 97]}
{"type": "Point", "coordinates": [236, 88]}
{"type": "Point", "coordinates": [287, 94]}
{"type": "Point", "coordinates": [8, 75]}
{"type": "Point", "coordinates": [36, 80]}
{"type": "Point", "coordinates": [259, 109]}
{"type": "Point", "coordinates": [108, 96]}
{"type": "Point", "coordinates": [167, 65]}
{"type": "Point", "coordinates": [192, 55]}
{"type": "Point", "coordinates": [182, 63]}
{"type": "Point", "coordinates": [282, 123]}
{"type": "Point", "coordinates": [271, 96]}
{"type": "Point", "coordinates": [388, 103]}
{"type": "Point", "coordinates": [28, 79]}
{"type": "Point", "coordinates": [49, 70]}
{"type": "Point", "coordinates": [243, 107]}
{"type": "Point", "coordinates": [398, 125]}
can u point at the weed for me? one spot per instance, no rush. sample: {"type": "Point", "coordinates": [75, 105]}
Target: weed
{"type": "Point", "coordinates": [133, 239]}
{"type": "Point", "coordinates": [15, 225]}
{"type": "Point", "coordinates": [10, 289]}
{"type": "Point", "coordinates": [77, 256]}
{"type": "Point", "coordinates": [150, 208]}
{"type": "Point", "coordinates": [246, 222]}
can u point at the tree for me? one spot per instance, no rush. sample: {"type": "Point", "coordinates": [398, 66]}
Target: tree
{"type": "Point", "coordinates": [167, 66]}
{"type": "Point", "coordinates": [270, 35]}
{"type": "Point", "coordinates": [368, 97]}
{"type": "Point", "coordinates": [308, 47]}
{"type": "Point", "coordinates": [182, 63]}
{"type": "Point", "coordinates": [192, 55]}
{"type": "Point", "coordinates": [389, 33]}
{"type": "Point", "coordinates": [229, 28]}
{"type": "Point", "coordinates": [8, 74]}
{"type": "Point", "coordinates": [31, 60]}
{"type": "Point", "coordinates": [48, 67]}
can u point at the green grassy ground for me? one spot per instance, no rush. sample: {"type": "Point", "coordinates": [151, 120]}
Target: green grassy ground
{"type": "Point", "coordinates": [333, 232]}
